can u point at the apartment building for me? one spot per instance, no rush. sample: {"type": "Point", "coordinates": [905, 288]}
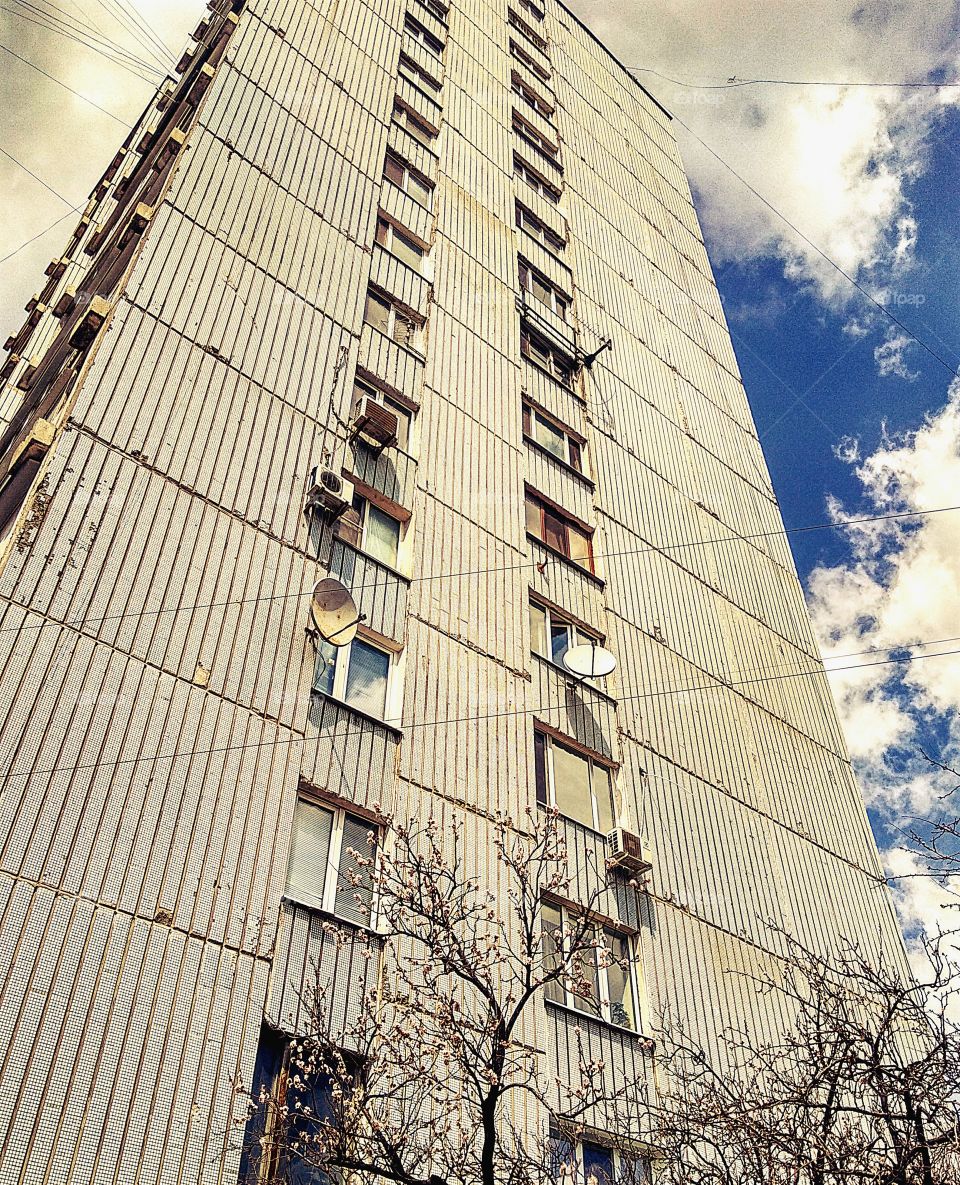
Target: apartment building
{"type": "Point", "coordinates": [413, 297]}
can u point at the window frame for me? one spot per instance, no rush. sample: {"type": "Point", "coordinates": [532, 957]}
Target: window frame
{"type": "Point", "coordinates": [528, 95]}
{"type": "Point", "coordinates": [553, 364]}
{"type": "Point", "coordinates": [408, 242]}
{"type": "Point", "coordinates": [574, 1000]}
{"type": "Point", "coordinates": [530, 135]}
{"type": "Point", "coordinates": [546, 784]}
{"type": "Point", "coordinates": [438, 11]}
{"type": "Point", "coordinates": [517, 51]}
{"type": "Point", "coordinates": [364, 388]}
{"type": "Point", "coordinates": [333, 874]}
{"type": "Point", "coordinates": [422, 35]}
{"type": "Point", "coordinates": [364, 515]}
{"type": "Point", "coordinates": [415, 74]}
{"type": "Point", "coordinates": [622, 1174]}
{"type": "Point", "coordinates": [537, 229]}
{"type": "Point", "coordinates": [539, 184]}
{"type": "Point", "coordinates": [405, 117]}
{"type": "Point", "coordinates": [556, 618]}
{"type": "Point", "coordinates": [394, 316]}
{"type": "Point", "coordinates": [516, 21]}
{"type": "Point", "coordinates": [408, 174]}
{"type": "Point", "coordinates": [551, 297]}
{"type": "Point", "coordinates": [342, 657]}
{"type": "Point", "coordinates": [575, 443]}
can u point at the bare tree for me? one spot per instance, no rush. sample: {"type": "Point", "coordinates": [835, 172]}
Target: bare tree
{"type": "Point", "coordinates": [863, 1088]}
{"type": "Point", "coordinates": [437, 1075]}
{"type": "Point", "coordinates": [937, 841]}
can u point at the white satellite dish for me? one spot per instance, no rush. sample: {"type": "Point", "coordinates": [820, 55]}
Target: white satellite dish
{"type": "Point", "coordinates": [334, 611]}
{"type": "Point", "coordinates": [589, 661]}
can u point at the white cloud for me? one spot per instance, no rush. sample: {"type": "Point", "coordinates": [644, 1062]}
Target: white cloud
{"type": "Point", "coordinates": [837, 161]}
{"type": "Point", "coordinates": [899, 589]}
{"type": "Point", "coordinates": [62, 138]}
{"type": "Point", "coordinates": [891, 355]}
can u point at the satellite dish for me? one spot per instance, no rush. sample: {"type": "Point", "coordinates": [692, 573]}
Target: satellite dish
{"type": "Point", "coordinates": [589, 661]}
{"type": "Point", "coordinates": [334, 611]}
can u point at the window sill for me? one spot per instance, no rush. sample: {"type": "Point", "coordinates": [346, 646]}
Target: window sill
{"type": "Point", "coordinates": [559, 462]}
{"type": "Point", "coordinates": [562, 670]}
{"type": "Point", "coordinates": [319, 911]}
{"type": "Point", "coordinates": [577, 1014]}
{"type": "Point", "coordinates": [396, 731]}
{"type": "Point", "coordinates": [548, 374]}
{"type": "Point", "coordinates": [554, 553]}
{"type": "Point", "coordinates": [588, 827]}
{"type": "Point", "coordinates": [415, 353]}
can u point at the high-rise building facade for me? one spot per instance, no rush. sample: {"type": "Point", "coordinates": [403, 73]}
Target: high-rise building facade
{"type": "Point", "coordinates": [372, 250]}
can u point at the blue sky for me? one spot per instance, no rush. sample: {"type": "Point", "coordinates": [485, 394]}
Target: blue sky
{"type": "Point", "coordinates": [811, 386]}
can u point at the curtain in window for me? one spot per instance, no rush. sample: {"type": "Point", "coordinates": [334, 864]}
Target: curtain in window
{"type": "Point", "coordinates": [382, 536]}
{"type": "Point", "coordinates": [354, 901]}
{"type": "Point", "coordinates": [571, 785]}
{"type": "Point", "coordinates": [309, 853]}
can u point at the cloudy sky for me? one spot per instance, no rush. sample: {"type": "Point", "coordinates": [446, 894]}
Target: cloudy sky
{"type": "Point", "coordinates": [795, 185]}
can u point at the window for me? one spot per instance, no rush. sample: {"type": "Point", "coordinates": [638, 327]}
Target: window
{"type": "Point", "coordinates": [542, 354]}
{"type": "Point", "coordinates": [379, 531]}
{"type": "Point", "coordinates": [420, 34]}
{"type": "Point", "coordinates": [578, 786]}
{"type": "Point", "coordinates": [552, 634]}
{"type": "Point", "coordinates": [521, 26]}
{"type": "Point", "coordinates": [528, 95]}
{"type": "Point", "coordinates": [552, 437]}
{"type": "Point", "coordinates": [525, 59]}
{"type": "Point", "coordinates": [532, 137]}
{"type": "Point", "coordinates": [407, 179]}
{"type": "Point", "coordinates": [418, 77]}
{"type": "Point", "coordinates": [414, 124]}
{"type": "Point", "coordinates": [388, 318]}
{"type": "Point", "coordinates": [528, 222]}
{"type": "Point", "coordinates": [543, 290]}
{"type": "Point", "coordinates": [399, 244]}
{"type": "Point", "coordinates": [537, 183]}
{"type": "Point", "coordinates": [529, 6]}
{"type": "Point", "coordinates": [328, 867]}
{"type": "Point", "coordinates": [556, 530]}
{"type": "Point", "coordinates": [303, 1093]}
{"type": "Point", "coordinates": [363, 390]}
{"type": "Point", "coordinates": [358, 675]}
{"type": "Point", "coordinates": [437, 10]}
{"type": "Point", "coordinates": [599, 963]}
{"type": "Point", "coordinates": [589, 1163]}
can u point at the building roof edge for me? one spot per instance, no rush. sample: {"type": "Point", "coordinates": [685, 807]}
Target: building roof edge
{"type": "Point", "coordinates": [609, 52]}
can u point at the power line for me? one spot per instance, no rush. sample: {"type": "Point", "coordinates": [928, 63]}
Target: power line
{"type": "Point", "coordinates": [149, 30]}
{"type": "Point", "coordinates": [39, 180]}
{"type": "Point", "coordinates": [40, 234]}
{"type": "Point", "coordinates": [421, 724]}
{"type": "Point", "coordinates": [138, 32]}
{"type": "Point", "coordinates": [781, 533]}
{"type": "Point", "coordinates": [53, 78]}
{"type": "Point", "coordinates": [819, 250]}
{"type": "Point", "coordinates": [733, 83]}
{"type": "Point", "coordinates": [122, 59]}
{"type": "Point", "coordinates": [62, 22]}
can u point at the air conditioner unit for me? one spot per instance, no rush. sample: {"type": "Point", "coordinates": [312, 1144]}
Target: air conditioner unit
{"type": "Point", "coordinates": [374, 423]}
{"type": "Point", "coordinates": [330, 494]}
{"type": "Point", "coordinates": [627, 851]}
